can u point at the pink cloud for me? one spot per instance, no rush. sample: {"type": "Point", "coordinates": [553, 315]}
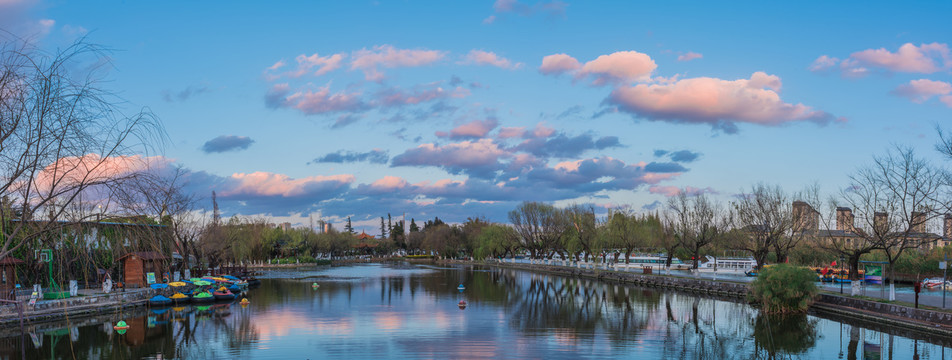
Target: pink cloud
{"type": "Point", "coordinates": [670, 191]}
{"type": "Point", "coordinates": [277, 65]}
{"type": "Point", "coordinates": [479, 57]}
{"type": "Point", "coordinates": [823, 63]}
{"type": "Point", "coordinates": [311, 102]}
{"type": "Point", "coordinates": [320, 65]}
{"type": "Point", "coordinates": [69, 172]}
{"type": "Point", "coordinates": [479, 158]}
{"type": "Point", "coordinates": [271, 184]}
{"type": "Point", "coordinates": [923, 59]}
{"type": "Point", "coordinates": [465, 153]}
{"type": "Point", "coordinates": [511, 132]}
{"type": "Point", "coordinates": [397, 97]}
{"type": "Point", "coordinates": [716, 102]}
{"type": "Point", "coordinates": [654, 178]}
{"type": "Point", "coordinates": [388, 56]}
{"type": "Point", "coordinates": [921, 90]}
{"type": "Point", "coordinates": [558, 64]}
{"type": "Point", "coordinates": [614, 68]}
{"type": "Point", "coordinates": [690, 56]}
{"type": "Point", "coordinates": [619, 67]}
{"type": "Point", "coordinates": [550, 8]}
{"type": "Point", "coordinates": [472, 129]}
{"type": "Point", "coordinates": [926, 58]}
{"type": "Point", "coordinates": [542, 131]}
{"type": "Point", "coordinates": [389, 183]}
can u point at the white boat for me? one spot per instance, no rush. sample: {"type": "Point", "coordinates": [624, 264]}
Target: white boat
{"type": "Point", "coordinates": [727, 264]}
{"type": "Point", "coordinates": [654, 261]}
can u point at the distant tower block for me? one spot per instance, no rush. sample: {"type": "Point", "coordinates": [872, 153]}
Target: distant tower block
{"type": "Point", "coordinates": [947, 226]}
{"type": "Point", "coordinates": [806, 218]}
{"type": "Point", "coordinates": [881, 222]}
{"type": "Point", "coordinates": [918, 222]}
{"type": "Point", "coordinates": [844, 219]}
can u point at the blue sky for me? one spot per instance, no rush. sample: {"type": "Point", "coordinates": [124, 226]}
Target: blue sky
{"type": "Point", "coordinates": [466, 108]}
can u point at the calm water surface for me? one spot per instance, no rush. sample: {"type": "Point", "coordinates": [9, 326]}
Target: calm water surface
{"type": "Point", "coordinates": [405, 311]}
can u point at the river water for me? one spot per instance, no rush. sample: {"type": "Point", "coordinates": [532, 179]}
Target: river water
{"type": "Point", "coordinates": [402, 311]}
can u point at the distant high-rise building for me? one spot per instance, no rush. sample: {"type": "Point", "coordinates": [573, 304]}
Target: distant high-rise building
{"type": "Point", "coordinates": [918, 222]}
{"type": "Point", "coordinates": [805, 218]}
{"type": "Point", "coordinates": [844, 219]}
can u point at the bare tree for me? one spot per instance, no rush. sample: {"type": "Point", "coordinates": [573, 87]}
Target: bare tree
{"type": "Point", "coordinates": [662, 230]}
{"type": "Point", "coordinates": [582, 233]}
{"type": "Point", "coordinates": [893, 198]}
{"type": "Point", "coordinates": [163, 196]}
{"type": "Point", "coordinates": [765, 220]}
{"type": "Point", "coordinates": [698, 222]}
{"type": "Point", "coordinates": [540, 225]}
{"type": "Point", "coordinates": [63, 141]}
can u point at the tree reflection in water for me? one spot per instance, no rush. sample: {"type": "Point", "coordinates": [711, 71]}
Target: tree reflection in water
{"type": "Point", "coordinates": [378, 311]}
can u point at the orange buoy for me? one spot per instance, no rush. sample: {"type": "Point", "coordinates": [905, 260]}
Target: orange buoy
{"type": "Point", "coordinates": [121, 325]}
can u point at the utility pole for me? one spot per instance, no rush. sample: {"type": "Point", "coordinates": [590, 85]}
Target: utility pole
{"type": "Point", "coordinates": [945, 269]}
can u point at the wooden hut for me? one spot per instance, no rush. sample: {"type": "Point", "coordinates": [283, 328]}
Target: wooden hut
{"type": "Point", "coordinates": [137, 265]}
{"type": "Point", "coordinates": [8, 276]}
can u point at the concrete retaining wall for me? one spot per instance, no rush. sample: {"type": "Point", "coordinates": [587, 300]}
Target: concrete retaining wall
{"type": "Point", "coordinates": [51, 310]}
{"type": "Point", "coordinates": [721, 288]}
{"type": "Point", "coordinates": [928, 321]}
{"type": "Point", "coordinates": [935, 318]}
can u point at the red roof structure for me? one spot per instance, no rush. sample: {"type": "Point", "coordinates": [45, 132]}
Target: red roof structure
{"type": "Point", "coordinates": [10, 260]}
{"type": "Point", "coordinates": [145, 255]}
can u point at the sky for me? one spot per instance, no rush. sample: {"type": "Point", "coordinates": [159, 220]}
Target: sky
{"type": "Point", "coordinates": [457, 109]}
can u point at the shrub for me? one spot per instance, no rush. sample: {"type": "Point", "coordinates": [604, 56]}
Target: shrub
{"type": "Point", "coordinates": [784, 288]}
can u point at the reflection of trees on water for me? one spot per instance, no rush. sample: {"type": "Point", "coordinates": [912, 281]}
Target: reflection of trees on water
{"type": "Point", "coordinates": [784, 334]}
{"type": "Point", "coordinates": [580, 307]}
{"type": "Point", "coordinates": [181, 332]}
{"type": "Point", "coordinates": [567, 311]}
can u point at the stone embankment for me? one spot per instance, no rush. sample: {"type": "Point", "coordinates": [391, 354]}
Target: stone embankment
{"type": "Point", "coordinates": [923, 320]}
{"type": "Point", "coordinates": [701, 286]}
{"type": "Point", "coordinates": [81, 306]}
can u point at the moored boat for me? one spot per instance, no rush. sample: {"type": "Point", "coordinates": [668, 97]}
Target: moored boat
{"type": "Point", "coordinates": [160, 300]}
{"type": "Point", "coordinates": [203, 297]}
{"type": "Point", "coordinates": [224, 294]}
{"type": "Point", "coordinates": [180, 298]}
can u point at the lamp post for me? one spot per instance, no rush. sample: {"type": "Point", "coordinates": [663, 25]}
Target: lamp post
{"type": "Point", "coordinates": [841, 274]}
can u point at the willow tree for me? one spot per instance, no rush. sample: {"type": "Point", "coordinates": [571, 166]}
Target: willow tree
{"type": "Point", "coordinates": [893, 198]}
{"type": "Point", "coordinates": [629, 231]}
{"type": "Point", "coordinates": [582, 234]}
{"type": "Point", "coordinates": [63, 139]}
{"type": "Point", "coordinates": [765, 219]}
{"type": "Point", "coordinates": [698, 222]}
{"type": "Point", "coordinates": [540, 226]}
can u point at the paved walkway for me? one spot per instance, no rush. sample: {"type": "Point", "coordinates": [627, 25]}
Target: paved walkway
{"type": "Point", "coordinates": [904, 293]}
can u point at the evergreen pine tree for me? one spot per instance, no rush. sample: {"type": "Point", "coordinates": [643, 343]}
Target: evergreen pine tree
{"type": "Point", "coordinates": [349, 228]}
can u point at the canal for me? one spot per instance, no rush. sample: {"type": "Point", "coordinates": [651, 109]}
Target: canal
{"type": "Point", "coordinates": [412, 311]}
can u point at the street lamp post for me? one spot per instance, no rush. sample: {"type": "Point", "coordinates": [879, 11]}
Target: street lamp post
{"type": "Point", "coordinates": [841, 274]}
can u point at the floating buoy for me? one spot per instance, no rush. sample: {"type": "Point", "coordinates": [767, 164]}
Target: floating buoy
{"type": "Point", "coordinates": [461, 287]}
{"type": "Point", "coordinates": [121, 327]}
{"type": "Point", "coordinates": [462, 304]}
{"type": "Point", "coordinates": [245, 301]}
{"type": "Point", "coordinates": [315, 285]}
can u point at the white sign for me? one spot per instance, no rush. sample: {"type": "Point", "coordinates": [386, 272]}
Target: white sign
{"type": "Point", "coordinates": [942, 265]}
{"type": "Point", "coordinates": [107, 286]}
{"type": "Point", "coordinates": [33, 298]}
{"type": "Point", "coordinates": [73, 288]}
